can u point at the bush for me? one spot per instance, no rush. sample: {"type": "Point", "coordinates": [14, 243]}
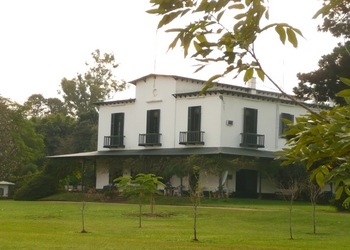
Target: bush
{"type": "Point", "coordinates": [46, 182]}
{"type": "Point", "coordinates": [36, 186]}
{"type": "Point", "coordinates": [339, 203]}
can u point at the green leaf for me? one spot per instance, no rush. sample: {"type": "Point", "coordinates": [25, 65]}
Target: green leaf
{"type": "Point", "coordinates": [220, 15]}
{"type": "Point", "coordinates": [292, 37]}
{"type": "Point", "coordinates": [240, 16]}
{"type": "Point", "coordinates": [320, 179]}
{"type": "Point", "coordinates": [203, 5]}
{"type": "Point", "coordinates": [281, 32]}
{"type": "Point", "coordinates": [248, 74]}
{"type": "Point", "coordinates": [339, 192]}
{"type": "Point", "coordinates": [260, 73]}
{"type": "Point", "coordinates": [344, 93]}
{"type": "Point", "coordinates": [237, 6]}
{"type": "Point", "coordinates": [345, 80]}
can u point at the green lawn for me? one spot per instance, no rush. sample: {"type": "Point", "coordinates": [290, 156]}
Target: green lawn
{"type": "Point", "coordinates": [232, 224]}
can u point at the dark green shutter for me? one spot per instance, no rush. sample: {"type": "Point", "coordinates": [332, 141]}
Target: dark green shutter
{"type": "Point", "coordinates": [250, 121]}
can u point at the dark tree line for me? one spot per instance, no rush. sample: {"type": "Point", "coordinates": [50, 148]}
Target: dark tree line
{"type": "Point", "coordinates": [44, 127]}
{"type": "Point", "coordinates": [322, 84]}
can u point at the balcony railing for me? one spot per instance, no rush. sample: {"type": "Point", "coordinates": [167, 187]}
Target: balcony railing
{"type": "Point", "coordinates": [151, 139]}
{"type": "Point", "coordinates": [115, 141]}
{"type": "Point", "coordinates": [252, 140]}
{"type": "Point", "coordinates": [192, 137]}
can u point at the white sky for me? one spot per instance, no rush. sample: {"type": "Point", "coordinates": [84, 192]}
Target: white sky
{"type": "Point", "coordinates": [43, 41]}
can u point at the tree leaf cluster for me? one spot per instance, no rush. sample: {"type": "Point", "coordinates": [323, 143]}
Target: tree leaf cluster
{"type": "Point", "coordinates": [323, 145]}
{"type": "Point", "coordinates": [216, 41]}
{"type": "Point", "coordinates": [20, 145]}
{"type": "Point", "coordinates": [323, 84]}
{"type": "Point", "coordinates": [336, 18]}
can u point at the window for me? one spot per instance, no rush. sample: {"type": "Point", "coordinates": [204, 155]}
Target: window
{"type": "Point", "coordinates": [283, 125]}
{"type": "Point", "coordinates": [1, 192]}
{"type": "Point", "coordinates": [153, 121]}
{"type": "Point", "coordinates": [194, 119]}
{"type": "Point", "coordinates": [152, 129]}
{"type": "Point", "coordinates": [194, 124]}
{"type": "Point", "coordinates": [249, 137]}
{"type": "Point", "coordinates": [250, 122]}
{"type": "Point", "coordinates": [117, 129]}
{"type": "Point", "coordinates": [193, 135]}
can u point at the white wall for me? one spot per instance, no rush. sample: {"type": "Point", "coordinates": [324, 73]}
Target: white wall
{"type": "Point", "coordinates": [6, 190]}
{"type": "Point", "coordinates": [102, 175]}
{"type": "Point", "coordinates": [157, 93]}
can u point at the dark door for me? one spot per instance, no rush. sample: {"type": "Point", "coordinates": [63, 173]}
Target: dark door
{"type": "Point", "coordinates": [247, 181]}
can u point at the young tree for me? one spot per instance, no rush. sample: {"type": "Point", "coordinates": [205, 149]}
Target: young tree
{"type": "Point", "coordinates": [197, 162]}
{"type": "Point", "coordinates": [314, 192]}
{"type": "Point", "coordinates": [144, 187]}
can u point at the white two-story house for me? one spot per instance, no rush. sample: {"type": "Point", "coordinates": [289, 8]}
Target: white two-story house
{"type": "Point", "coordinates": [168, 117]}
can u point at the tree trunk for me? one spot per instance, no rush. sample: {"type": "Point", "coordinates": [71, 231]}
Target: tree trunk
{"type": "Point", "coordinates": [195, 217]}
{"type": "Point", "coordinates": [152, 204]}
{"type": "Point", "coordinates": [290, 216]}
{"type": "Point", "coordinates": [140, 205]}
{"type": "Point", "coordinates": [314, 215]}
{"type": "Point", "coordinates": [220, 188]}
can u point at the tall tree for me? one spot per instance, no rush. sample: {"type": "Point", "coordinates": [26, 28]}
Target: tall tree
{"type": "Point", "coordinates": [323, 84]}
{"type": "Point", "coordinates": [39, 106]}
{"type": "Point", "coordinates": [337, 21]}
{"type": "Point", "coordinates": [98, 83]}
{"type": "Point", "coordinates": [20, 145]}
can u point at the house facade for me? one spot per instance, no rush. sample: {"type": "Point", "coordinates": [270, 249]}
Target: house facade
{"type": "Point", "coordinates": [169, 117]}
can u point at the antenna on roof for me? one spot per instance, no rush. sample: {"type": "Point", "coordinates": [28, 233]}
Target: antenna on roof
{"type": "Point", "coordinates": [155, 58]}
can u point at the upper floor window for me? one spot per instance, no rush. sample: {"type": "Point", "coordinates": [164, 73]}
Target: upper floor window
{"type": "Point", "coordinates": [283, 125]}
{"type": "Point", "coordinates": [152, 136]}
{"type": "Point", "coordinates": [116, 138]}
{"type": "Point", "coordinates": [249, 137]}
{"type": "Point", "coordinates": [193, 135]}
{"type": "Point", "coordinates": [153, 121]}
{"type": "Point", "coordinates": [194, 119]}
{"type": "Point", "coordinates": [250, 121]}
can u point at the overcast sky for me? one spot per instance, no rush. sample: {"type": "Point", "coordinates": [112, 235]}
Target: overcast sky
{"type": "Point", "coordinates": [44, 41]}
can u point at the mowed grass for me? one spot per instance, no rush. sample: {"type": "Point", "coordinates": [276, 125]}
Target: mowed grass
{"type": "Point", "coordinates": [231, 224]}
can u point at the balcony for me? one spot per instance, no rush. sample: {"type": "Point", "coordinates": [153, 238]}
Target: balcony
{"type": "Point", "coordinates": [192, 138]}
{"type": "Point", "coordinates": [116, 141]}
{"type": "Point", "coordinates": [252, 140]}
{"type": "Point", "coordinates": [152, 139]}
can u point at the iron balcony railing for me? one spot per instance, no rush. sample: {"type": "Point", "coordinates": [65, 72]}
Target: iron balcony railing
{"type": "Point", "coordinates": [252, 140]}
{"type": "Point", "coordinates": [191, 137]}
{"type": "Point", "coordinates": [114, 141]}
{"type": "Point", "coordinates": [150, 139]}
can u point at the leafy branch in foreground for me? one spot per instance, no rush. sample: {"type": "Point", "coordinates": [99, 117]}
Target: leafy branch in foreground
{"type": "Point", "coordinates": [323, 145]}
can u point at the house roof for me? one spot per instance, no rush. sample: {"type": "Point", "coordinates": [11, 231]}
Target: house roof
{"type": "Point", "coordinates": [125, 101]}
{"type": "Point", "coordinates": [172, 152]}
{"type": "Point", "coordinates": [6, 183]}
{"type": "Point", "coordinates": [221, 88]}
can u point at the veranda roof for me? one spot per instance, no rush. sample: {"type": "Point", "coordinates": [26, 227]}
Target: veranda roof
{"type": "Point", "coordinates": [172, 152]}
